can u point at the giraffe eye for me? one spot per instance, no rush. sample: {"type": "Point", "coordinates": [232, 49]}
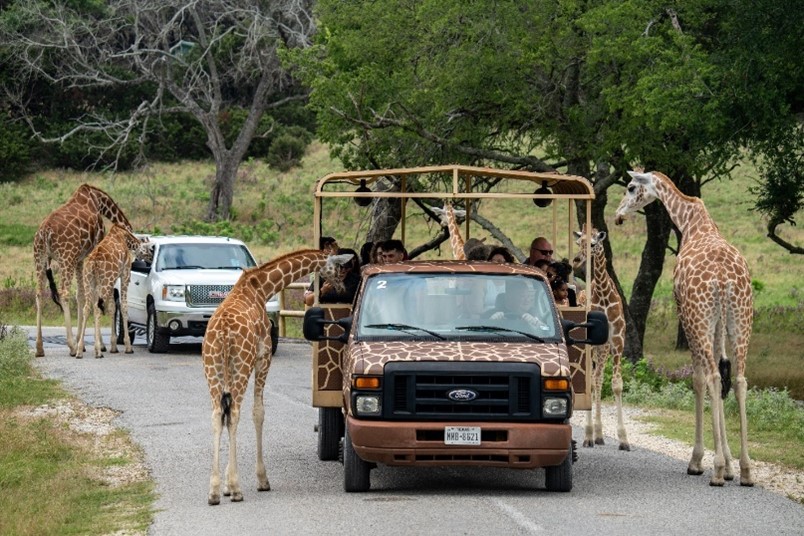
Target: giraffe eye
{"type": "Point", "coordinates": [631, 188]}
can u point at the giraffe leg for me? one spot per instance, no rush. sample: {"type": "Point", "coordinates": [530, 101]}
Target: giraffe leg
{"type": "Point", "coordinates": [40, 287]}
{"type": "Point", "coordinates": [699, 387]}
{"type": "Point", "coordinates": [110, 303]}
{"type": "Point", "coordinates": [215, 479]}
{"type": "Point", "coordinates": [600, 366]}
{"type": "Point", "coordinates": [258, 414]}
{"type": "Point", "coordinates": [714, 388]}
{"type": "Point", "coordinates": [588, 434]}
{"type": "Point", "coordinates": [64, 293]}
{"type": "Point", "coordinates": [740, 392]}
{"type": "Point", "coordinates": [232, 476]}
{"type": "Point", "coordinates": [617, 388]}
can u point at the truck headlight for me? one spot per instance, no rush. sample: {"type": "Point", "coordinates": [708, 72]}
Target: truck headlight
{"type": "Point", "coordinates": [173, 293]}
{"type": "Point", "coordinates": [554, 407]}
{"type": "Point", "coordinates": [367, 405]}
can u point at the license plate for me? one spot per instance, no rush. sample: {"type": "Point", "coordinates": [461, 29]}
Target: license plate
{"type": "Point", "coordinates": [218, 293]}
{"type": "Point", "coordinates": [461, 435]}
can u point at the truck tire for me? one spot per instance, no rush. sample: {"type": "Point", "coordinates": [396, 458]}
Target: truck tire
{"type": "Point", "coordinates": [330, 431]}
{"type": "Point", "coordinates": [118, 321]}
{"type": "Point", "coordinates": [559, 477]}
{"type": "Point", "coordinates": [157, 342]}
{"type": "Point", "coordinates": [356, 471]}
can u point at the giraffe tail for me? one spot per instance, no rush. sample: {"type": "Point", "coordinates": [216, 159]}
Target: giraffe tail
{"type": "Point", "coordinates": [226, 405]}
{"type": "Point", "coordinates": [54, 291]}
{"type": "Point", "coordinates": [101, 306]}
{"type": "Point", "coordinates": [725, 377]}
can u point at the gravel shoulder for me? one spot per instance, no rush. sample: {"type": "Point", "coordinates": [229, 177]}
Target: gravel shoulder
{"type": "Point", "coordinates": [785, 481]}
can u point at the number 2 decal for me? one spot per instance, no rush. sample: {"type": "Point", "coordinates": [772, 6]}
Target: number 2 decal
{"type": "Point", "coordinates": [382, 283]}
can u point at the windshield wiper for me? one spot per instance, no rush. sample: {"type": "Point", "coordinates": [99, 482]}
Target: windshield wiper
{"type": "Point", "coordinates": [498, 328]}
{"type": "Point", "coordinates": [186, 267]}
{"type": "Point", "coordinates": [406, 328]}
{"type": "Point", "coordinates": [224, 268]}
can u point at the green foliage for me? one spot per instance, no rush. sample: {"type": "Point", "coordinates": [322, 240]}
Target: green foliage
{"type": "Point", "coordinates": [286, 152]}
{"type": "Point", "coordinates": [263, 232]}
{"type": "Point", "coordinates": [15, 234]}
{"type": "Point", "coordinates": [15, 149]}
{"type": "Point", "coordinates": [757, 285]}
{"type": "Point", "coordinates": [15, 357]}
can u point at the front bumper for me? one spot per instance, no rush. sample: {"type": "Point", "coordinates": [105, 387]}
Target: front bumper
{"type": "Point", "coordinates": [503, 444]}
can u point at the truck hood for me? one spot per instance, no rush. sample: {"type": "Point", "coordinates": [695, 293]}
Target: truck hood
{"type": "Point", "coordinates": [199, 277]}
{"type": "Point", "coordinates": [370, 357]}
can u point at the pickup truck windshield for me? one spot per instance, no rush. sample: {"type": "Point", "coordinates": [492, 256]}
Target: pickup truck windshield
{"type": "Point", "coordinates": [203, 256]}
{"type": "Point", "coordinates": [456, 306]}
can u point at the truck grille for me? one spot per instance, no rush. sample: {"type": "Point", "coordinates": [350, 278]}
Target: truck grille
{"type": "Point", "coordinates": [206, 295]}
{"type": "Point", "coordinates": [504, 391]}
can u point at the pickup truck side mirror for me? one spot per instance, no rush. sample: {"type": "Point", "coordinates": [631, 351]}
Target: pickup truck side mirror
{"type": "Point", "coordinates": [596, 325]}
{"type": "Point", "coordinates": [314, 324]}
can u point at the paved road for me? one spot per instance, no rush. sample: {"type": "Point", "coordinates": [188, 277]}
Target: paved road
{"type": "Point", "coordinates": [165, 406]}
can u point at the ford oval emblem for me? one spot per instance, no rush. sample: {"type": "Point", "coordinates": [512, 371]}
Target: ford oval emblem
{"type": "Point", "coordinates": [462, 395]}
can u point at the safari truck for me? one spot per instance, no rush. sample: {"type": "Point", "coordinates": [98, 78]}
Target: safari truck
{"type": "Point", "coordinates": [443, 362]}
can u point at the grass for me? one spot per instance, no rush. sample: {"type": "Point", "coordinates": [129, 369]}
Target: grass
{"type": "Point", "coordinates": [49, 480]}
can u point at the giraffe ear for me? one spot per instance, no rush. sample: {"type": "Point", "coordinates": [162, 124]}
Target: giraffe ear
{"type": "Point", "coordinates": [459, 213]}
{"type": "Point", "coordinates": [341, 259]}
{"type": "Point", "coordinates": [577, 234]}
{"type": "Point", "coordinates": [641, 178]}
{"type": "Point", "coordinates": [438, 210]}
{"type": "Point", "coordinates": [601, 236]}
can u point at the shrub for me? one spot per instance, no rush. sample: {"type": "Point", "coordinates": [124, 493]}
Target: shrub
{"type": "Point", "coordinates": [15, 150]}
{"type": "Point", "coordinates": [286, 152]}
{"type": "Point", "coordinates": [15, 357]}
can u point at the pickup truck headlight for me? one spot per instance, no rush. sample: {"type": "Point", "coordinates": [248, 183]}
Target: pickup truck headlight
{"type": "Point", "coordinates": [554, 407]}
{"type": "Point", "coordinates": [366, 405]}
{"type": "Point", "coordinates": [173, 293]}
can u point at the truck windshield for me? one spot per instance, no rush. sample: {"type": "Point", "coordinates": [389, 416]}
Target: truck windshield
{"type": "Point", "coordinates": [456, 306]}
{"type": "Point", "coordinates": [204, 256]}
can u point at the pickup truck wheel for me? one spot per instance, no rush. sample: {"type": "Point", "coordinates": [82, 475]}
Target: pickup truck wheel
{"type": "Point", "coordinates": [157, 342]}
{"type": "Point", "coordinates": [118, 321]}
{"type": "Point", "coordinates": [356, 471]}
{"type": "Point", "coordinates": [559, 477]}
{"type": "Point", "coordinates": [330, 431]}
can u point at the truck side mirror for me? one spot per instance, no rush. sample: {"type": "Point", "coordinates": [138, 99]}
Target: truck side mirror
{"type": "Point", "coordinates": [314, 323]}
{"type": "Point", "coordinates": [596, 325]}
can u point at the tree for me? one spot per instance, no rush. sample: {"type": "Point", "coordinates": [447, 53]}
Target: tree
{"type": "Point", "coordinates": [592, 88]}
{"type": "Point", "coordinates": [198, 57]}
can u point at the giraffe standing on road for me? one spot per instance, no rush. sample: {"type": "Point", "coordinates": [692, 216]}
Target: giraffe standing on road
{"type": "Point", "coordinates": [65, 237]}
{"type": "Point", "coordinates": [712, 289]}
{"type": "Point", "coordinates": [107, 263]}
{"type": "Point", "coordinates": [238, 342]}
{"type": "Point", "coordinates": [604, 297]}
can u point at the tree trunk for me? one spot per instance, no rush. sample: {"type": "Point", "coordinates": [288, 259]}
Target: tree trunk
{"type": "Point", "coordinates": [222, 194]}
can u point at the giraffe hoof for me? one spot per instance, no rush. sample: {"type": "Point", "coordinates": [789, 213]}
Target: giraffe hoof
{"type": "Point", "coordinates": [129, 351]}
{"type": "Point", "coordinates": [747, 483]}
{"type": "Point", "coordinates": [78, 356]}
{"type": "Point", "coordinates": [599, 441]}
{"type": "Point", "coordinates": [214, 500]}
{"type": "Point", "coordinates": [226, 493]}
{"type": "Point", "coordinates": [99, 356]}
{"type": "Point", "coordinates": [729, 477]}
{"type": "Point", "coordinates": [39, 354]}
{"type": "Point", "coordinates": [264, 487]}
{"type": "Point", "coordinates": [625, 446]}
{"type": "Point", "coordinates": [588, 443]}
{"type": "Point", "coordinates": [694, 472]}
{"type": "Point", "coordinates": [717, 483]}
{"type": "Point", "coordinates": [115, 351]}
{"type": "Point", "coordinates": [237, 496]}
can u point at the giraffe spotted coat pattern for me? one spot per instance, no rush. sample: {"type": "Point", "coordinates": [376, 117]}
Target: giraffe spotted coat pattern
{"type": "Point", "coordinates": [237, 343]}
{"type": "Point", "coordinates": [107, 263]}
{"type": "Point", "coordinates": [605, 298]}
{"type": "Point", "coordinates": [712, 289]}
{"type": "Point", "coordinates": [65, 237]}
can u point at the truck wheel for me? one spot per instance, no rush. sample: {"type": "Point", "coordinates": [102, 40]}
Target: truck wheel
{"type": "Point", "coordinates": [330, 431]}
{"type": "Point", "coordinates": [559, 477]}
{"type": "Point", "coordinates": [118, 321]}
{"type": "Point", "coordinates": [356, 471]}
{"type": "Point", "coordinates": [157, 342]}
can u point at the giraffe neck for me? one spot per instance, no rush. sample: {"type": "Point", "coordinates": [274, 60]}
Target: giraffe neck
{"type": "Point", "coordinates": [603, 291]}
{"type": "Point", "coordinates": [108, 208]}
{"type": "Point", "coordinates": [688, 213]}
{"type": "Point", "coordinates": [455, 239]}
{"type": "Point", "coordinates": [275, 275]}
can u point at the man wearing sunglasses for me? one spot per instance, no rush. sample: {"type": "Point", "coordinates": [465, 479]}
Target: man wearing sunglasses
{"type": "Point", "coordinates": [540, 248]}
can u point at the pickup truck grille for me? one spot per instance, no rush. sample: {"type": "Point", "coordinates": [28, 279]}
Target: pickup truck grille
{"type": "Point", "coordinates": [206, 295]}
{"type": "Point", "coordinates": [420, 391]}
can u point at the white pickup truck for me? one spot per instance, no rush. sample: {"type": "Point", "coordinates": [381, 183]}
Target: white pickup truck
{"type": "Point", "coordinates": [178, 293]}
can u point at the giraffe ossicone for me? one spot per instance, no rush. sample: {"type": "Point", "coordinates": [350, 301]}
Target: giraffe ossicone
{"type": "Point", "coordinates": [237, 344]}
{"type": "Point", "coordinates": [713, 293]}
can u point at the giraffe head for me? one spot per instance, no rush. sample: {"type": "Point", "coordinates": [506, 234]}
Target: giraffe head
{"type": "Point", "coordinates": [145, 250]}
{"type": "Point", "coordinates": [640, 192]}
{"type": "Point", "coordinates": [331, 271]}
{"type": "Point", "coordinates": [444, 214]}
{"type": "Point", "coordinates": [595, 239]}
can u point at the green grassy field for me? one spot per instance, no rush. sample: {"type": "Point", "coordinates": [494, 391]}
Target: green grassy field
{"type": "Point", "coordinates": [273, 214]}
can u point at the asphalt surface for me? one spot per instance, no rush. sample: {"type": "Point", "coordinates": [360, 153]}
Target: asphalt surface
{"type": "Point", "coordinates": [165, 406]}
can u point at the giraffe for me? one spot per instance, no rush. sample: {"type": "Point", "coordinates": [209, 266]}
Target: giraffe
{"type": "Point", "coordinates": [65, 237]}
{"type": "Point", "coordinates": [712, 289]}
{"type": "Point", "coordinates": [447, 215]}
{"type": "Point", "coordinates": [237, 342]}
{"type": "Point", "coordinates": [106, 263]}
{"type": "Point", "coordinates": [604, 297]}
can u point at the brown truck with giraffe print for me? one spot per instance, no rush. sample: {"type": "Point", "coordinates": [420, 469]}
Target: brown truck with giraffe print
{"type": "Point", "coordinates": [445, 363]}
